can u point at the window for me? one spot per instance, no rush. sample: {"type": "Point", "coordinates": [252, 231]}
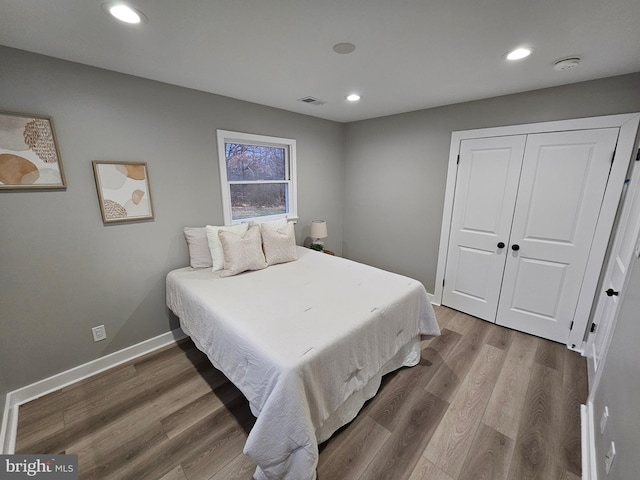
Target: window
{"type": "Point", "coordinates": [257, 176]}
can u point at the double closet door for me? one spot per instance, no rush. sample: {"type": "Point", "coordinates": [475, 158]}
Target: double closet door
{"type": "Point", "coordinates": [524, 216]}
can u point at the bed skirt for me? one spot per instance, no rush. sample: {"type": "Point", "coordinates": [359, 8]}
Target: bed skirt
{"type": "Point", "coordinates": [408, 356]}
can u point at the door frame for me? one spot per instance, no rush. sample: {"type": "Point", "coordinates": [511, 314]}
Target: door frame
{"type": "Point", "coordinates": [628, 124]}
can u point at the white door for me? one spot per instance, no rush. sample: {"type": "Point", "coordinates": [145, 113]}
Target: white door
{"type": "Point", "coordinates": [563, 181]}
{"type": "Point", "coordinates": [486, 189]}
{"type": "Point", "coordinates": [620, 259]}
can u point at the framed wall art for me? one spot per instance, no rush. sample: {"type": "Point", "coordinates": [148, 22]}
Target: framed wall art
{"type": "Point", "coordinates": [29, 156]}
{"type": "Point", "coordinates": [123, 191]}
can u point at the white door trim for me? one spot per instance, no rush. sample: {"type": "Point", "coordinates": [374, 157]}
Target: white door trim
{"type": "Point", "coordinates": [628, 124]}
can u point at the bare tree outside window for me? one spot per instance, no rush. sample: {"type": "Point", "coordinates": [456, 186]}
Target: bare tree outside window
{"type": "Point", "coordinates": [254, 162]}
{"type": "Point", "coordinates": [258, 200]}
{"type": "Point", "coordinates": [258, 176]}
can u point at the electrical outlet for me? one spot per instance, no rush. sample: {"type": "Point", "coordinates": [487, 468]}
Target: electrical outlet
{"type": "Point", "coordinates": [99, 333]}
{"type": "Point", "coordinates": [603, 419]}
{"type": "Point", "coordinates": [608, 458]}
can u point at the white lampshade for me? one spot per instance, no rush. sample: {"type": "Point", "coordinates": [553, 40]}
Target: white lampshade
{"type": "Point", "coordinates": [318, 229]}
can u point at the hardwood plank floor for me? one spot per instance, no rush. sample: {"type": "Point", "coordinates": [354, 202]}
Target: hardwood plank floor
{"type": "Point", "coordinates": [509, 395]}
{"type": "Point", "coordinates": [485, 402]}
{"type": "Point", "coordinates": [452, 440]}
{"type": "Point", "coordinates": [536, 454]}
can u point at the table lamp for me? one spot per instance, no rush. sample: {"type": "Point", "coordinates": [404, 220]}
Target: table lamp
{"type": "Point", "coordinates": [317, 232]}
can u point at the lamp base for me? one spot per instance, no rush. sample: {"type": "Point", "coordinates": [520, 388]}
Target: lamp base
{"type": "Point", "coordinates": [317, 244]}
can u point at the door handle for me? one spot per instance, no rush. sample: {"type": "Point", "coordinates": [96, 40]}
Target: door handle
{"type": "Point", "coordinates": [515, 247]}
{"type": "Point", "coordinates": [500, 244]}
{"type": "Point", "coordinates": [611, 292]}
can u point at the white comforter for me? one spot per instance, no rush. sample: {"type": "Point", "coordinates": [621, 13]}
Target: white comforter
{"type": "Point", "coordinates": [306, 342]}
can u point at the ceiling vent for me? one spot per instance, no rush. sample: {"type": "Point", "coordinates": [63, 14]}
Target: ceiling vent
{"type": "Point", "coordinates": [311, 101]}
{"type": "Point", "coordinates": [566, 64]}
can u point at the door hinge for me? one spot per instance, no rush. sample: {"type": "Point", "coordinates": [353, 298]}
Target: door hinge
{"type": "Point", "coordinates": [443, 282]}
{"type": "Point", "coordinates": [638, 156]}
{"type": "Point", "coordinates": [571, 326]}
{"type": "Point", "coordinates": [593, 327]}
{"type": "Point", "coordinates": [458, 161]}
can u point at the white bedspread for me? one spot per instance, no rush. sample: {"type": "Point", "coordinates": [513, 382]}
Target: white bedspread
{"type": "Point", "coordinates": [306, 342]}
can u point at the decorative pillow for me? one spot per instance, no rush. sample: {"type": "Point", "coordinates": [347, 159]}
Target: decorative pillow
{"type": "Point", "coordinates": [279, 244]}
{"type": "Point", "coordinates": [215, 248]}
{"type": "Point", "coordinates": [241, 253]}
{"type": "Point", "coordinates": [276, 224]}
{"type": "Point", "coordinates": [199, 255]}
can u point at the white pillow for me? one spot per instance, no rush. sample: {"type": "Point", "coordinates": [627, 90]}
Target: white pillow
{"type": "Point", "coordinates": [241, 253]}
{"type": "Point", "coordinates": [279, 245]}
{"type": "Point", "coordinates": [215, 248]}
{"type": "Point", "coordinates": [199, 255]}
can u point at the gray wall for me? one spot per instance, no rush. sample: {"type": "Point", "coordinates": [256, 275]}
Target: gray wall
{"type": "Point", "coordinates": [61, 270]}
{"type": "Point", "coordinates": [619, 389]}
{"type": "Point", "coordinates": [396, 166]}
{"type": "Point", "coordinates": [3, 398]}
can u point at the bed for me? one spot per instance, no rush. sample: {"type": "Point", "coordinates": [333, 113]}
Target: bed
{"type": "Point", "coordinates": [307, 342]}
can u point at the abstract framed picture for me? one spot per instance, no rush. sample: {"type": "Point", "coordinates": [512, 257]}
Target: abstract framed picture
{"type": "Point", "coordinates": [124, 192]}
{"type": "Point", "coordinates": [29, 155]}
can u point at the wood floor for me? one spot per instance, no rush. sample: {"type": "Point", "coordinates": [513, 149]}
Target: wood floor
{"type": "Point", "coordinates": [485, 402]}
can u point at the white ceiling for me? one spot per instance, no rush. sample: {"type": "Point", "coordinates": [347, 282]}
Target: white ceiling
{"type": "Point", "coordinates": [410, 54]}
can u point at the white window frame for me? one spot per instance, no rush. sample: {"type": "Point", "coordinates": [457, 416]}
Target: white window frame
{"type": "Point", "coordinates": [289, 145]}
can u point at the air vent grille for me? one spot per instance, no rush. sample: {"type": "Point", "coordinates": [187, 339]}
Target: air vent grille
{"type": "Point", "coordinates": [311, 101]}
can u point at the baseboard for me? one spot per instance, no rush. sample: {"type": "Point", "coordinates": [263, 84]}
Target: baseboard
{"type": "Point", "coordinates": [589, 467]}
{"type": "Point", "coordinates": [9, 426]}
{"type": "Point", "coordinates": [56, 382]}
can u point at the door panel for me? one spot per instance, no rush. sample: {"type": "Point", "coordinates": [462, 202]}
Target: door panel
{"type": "Point", "coordinates": [621, 257]}
{"type": "Point", "coordinates": [608, 310]}
{"type": "Point", "coordinates": [554, 202]}
{"type": "Point", "coordinates": [472, 279]}
{"type": "Point", "coordinates": [486, 188]}
{"type": "Point", "coordinates": [563, 181]}
{"type": "Point", "coordinates": [540, 287]}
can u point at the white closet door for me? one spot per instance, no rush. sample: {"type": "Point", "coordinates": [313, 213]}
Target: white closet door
{"type": "Point", "coordinates": [620, 260]}
{"type": "Point", "coordinates": [563, 181]}
{"type": "Point", "coordinates": [486, 188]}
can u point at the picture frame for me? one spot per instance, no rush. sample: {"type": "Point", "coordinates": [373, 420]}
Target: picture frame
{"type": "Point", "coordinates": [124, 191]}
{"type": "Point", "coordinates": [29, 154]}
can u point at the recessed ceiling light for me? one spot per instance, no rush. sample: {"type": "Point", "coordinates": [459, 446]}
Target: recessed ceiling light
{"type": "Point", "coordinates": [354, 97]}
{"type": "Point", "coordinates": [124, 12]}
{"type": "Point", "coordinates": [518, 53]}
{"type": "Point", "coordinates": [344, 48]}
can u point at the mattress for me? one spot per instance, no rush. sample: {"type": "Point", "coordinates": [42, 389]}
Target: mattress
{"type": "Point", "coordinates": [306, 342]}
